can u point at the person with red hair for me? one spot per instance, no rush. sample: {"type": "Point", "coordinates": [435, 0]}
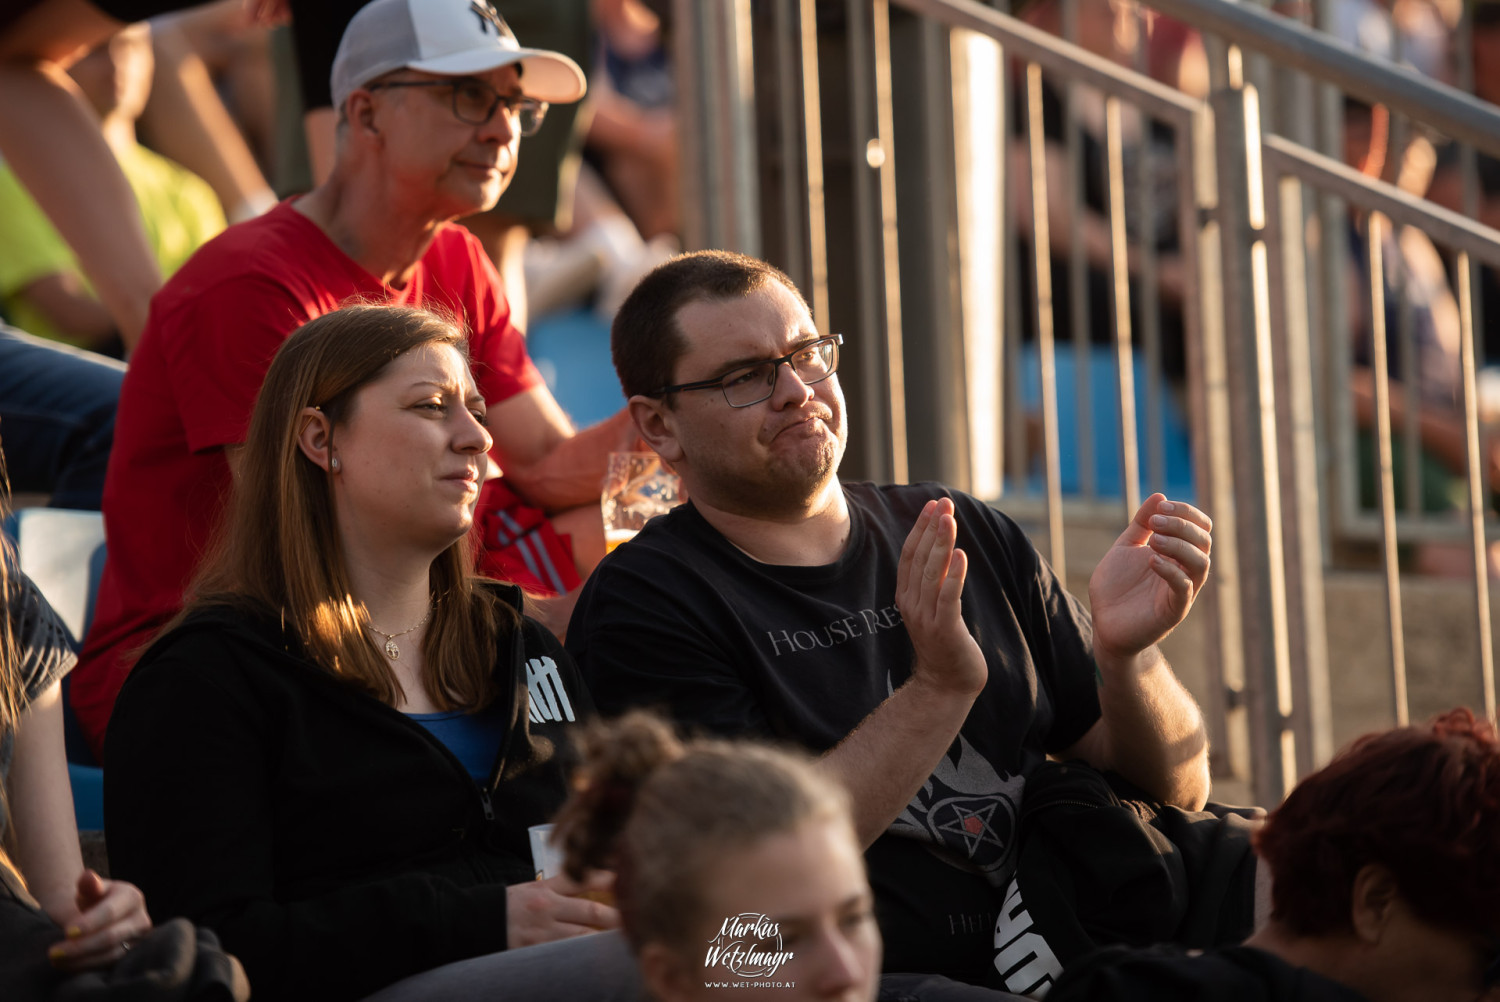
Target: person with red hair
{"type": "Point", "coordinates": [1386, 886]}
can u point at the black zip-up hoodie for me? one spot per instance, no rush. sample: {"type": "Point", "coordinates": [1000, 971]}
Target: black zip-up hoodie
{"type": "Point", "coordinates": [332, 842]}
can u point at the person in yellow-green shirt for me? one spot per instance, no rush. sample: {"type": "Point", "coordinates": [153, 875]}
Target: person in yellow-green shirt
{"type": "Point", "coordinates": [42, 288]}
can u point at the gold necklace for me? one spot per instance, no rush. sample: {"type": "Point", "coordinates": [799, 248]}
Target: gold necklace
{"type": "Point", "coordinates": [392, 651]}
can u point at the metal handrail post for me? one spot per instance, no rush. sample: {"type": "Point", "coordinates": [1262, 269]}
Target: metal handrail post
{"type": "Point", "coordinates": [1241, 214]}
{"type": "Point", "coordinates": [1208, 399]}
{"type": "Point", "coordinates": [720, 176]}
{"type": "Point", "coordinates": [812, 146]}
{"type": "Point", "coordinates": [898, 453]}
{"type": "Point", "coordinates": [687, 56]}
{"type": "Point", "coordinates": [940, 402]}
{"type": "Point", "coordinates": [980, 161]}
{"type": "Point", "coordinates": [796, 174]}
{"type": "Point", "coordinates": [1312, 703]}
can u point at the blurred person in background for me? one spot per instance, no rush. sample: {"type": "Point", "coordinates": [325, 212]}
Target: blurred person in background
{"type": "Point", "coordinates": [1415, 290]}
{"type": "Point", "coordinates": [187, 119]}
{"type": "Point", "coordinates": [51, 139]}
{"type": "Point", "coordinates": [233, 46]}
{"type": "Point", "coordinates": [625, 217]}
{"type": "Point", "coordinates": [42, 288]}
{"type": "Point", "coordinates": [1448, 182]}
{"type": "Point", "coordinates": [1174, 54]}
{"type": "Point", "coordinates": [632, 139]}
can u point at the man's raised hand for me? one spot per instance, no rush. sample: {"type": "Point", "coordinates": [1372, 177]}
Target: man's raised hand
{"type": "Point", "coordinates": [929, 584]}
{"type": "Point", "coordinates": [1150, 577]}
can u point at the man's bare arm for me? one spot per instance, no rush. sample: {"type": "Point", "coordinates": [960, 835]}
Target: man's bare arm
{"type": "Point", "coordinates": [1150, 730]}
{"type": "Point", "coordinates": [886, 759]}
{"type": "Point", "coordinates": [549, 464]}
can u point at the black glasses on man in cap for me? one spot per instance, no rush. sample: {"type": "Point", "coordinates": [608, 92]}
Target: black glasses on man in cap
{"type": "Point", "coordinates": [474, 102]}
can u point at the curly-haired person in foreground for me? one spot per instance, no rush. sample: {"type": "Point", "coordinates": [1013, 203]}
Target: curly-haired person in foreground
{"type": "Point", "coordinates": [1386, 870]}
{"type": "Point", "coordinates": [737, 863]}
{"type": "Point", "coordinates": [737, 866]}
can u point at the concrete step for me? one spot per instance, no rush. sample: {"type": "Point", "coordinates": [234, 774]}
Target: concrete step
{"type": "Point", "coordinates": [1441, 648]}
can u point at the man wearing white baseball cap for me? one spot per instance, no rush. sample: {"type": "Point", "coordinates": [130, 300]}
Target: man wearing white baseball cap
{"type": "Point", "coordinates": [447, 39]}
{"type": "Point", "coordinates": [434, 97]}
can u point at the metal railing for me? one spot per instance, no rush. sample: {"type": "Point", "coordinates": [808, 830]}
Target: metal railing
{"type": "Point", "coordinates": [792, 114]}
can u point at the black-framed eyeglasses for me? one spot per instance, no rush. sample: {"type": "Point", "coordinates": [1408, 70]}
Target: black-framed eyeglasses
{"type": "Point", "coordinates": [813, 362]}
{"type": "Point", "coordinates": [474, 102]}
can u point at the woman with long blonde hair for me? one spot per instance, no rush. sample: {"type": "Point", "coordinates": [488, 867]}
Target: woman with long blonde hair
{"type": "Point", "coordinates": [333, 755]}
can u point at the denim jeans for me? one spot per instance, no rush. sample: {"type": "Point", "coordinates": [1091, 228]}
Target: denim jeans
{"type": "Point", "coordinates": [57, 418]}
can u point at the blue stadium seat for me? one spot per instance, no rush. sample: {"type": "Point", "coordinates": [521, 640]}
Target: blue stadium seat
{"type": "Point", "coordinates": [1099, 382]}
{"type": "Point", "coordinates": [572, 352]}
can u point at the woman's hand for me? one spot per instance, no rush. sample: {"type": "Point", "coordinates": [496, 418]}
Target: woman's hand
{"type": "Point", "coordinates": [111, 915]}
{"type": "Point", "coordinates": [559, 908]}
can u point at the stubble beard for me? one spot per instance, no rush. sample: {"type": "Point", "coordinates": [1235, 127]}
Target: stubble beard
{"type": "Point", "coordinates": [788, 489]}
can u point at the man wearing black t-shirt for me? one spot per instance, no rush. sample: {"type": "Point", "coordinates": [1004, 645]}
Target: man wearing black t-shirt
{"type": "Point", "coordinates": [909, 634]}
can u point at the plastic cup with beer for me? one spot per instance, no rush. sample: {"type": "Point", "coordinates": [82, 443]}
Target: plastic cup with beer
{"type": "Point", "coordinates": [637, 487]}
{"type": "Point", "coordinates": [547, 860]}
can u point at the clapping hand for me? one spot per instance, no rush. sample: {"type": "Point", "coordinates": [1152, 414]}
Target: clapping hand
{"type": "Point", "coordinates": [1150, 577]}
{"type": "Point", "coordinates": [111, 915]}
{"type": "Point", "coordinates": [929, 586]}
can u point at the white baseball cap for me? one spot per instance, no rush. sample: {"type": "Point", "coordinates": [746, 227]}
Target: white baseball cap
{"type": "Point", "coordinates": [448, 37]}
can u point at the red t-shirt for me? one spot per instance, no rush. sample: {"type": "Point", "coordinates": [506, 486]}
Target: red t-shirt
{"type": "Point", "coordinates": [192, 384]}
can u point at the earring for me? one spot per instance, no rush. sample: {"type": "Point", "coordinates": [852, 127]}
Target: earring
{"type": "Point", "coordinates": [333, 464]}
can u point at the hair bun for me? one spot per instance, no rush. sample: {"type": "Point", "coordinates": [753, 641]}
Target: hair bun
{"type": "Point", "coordinates": [618, 759]}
